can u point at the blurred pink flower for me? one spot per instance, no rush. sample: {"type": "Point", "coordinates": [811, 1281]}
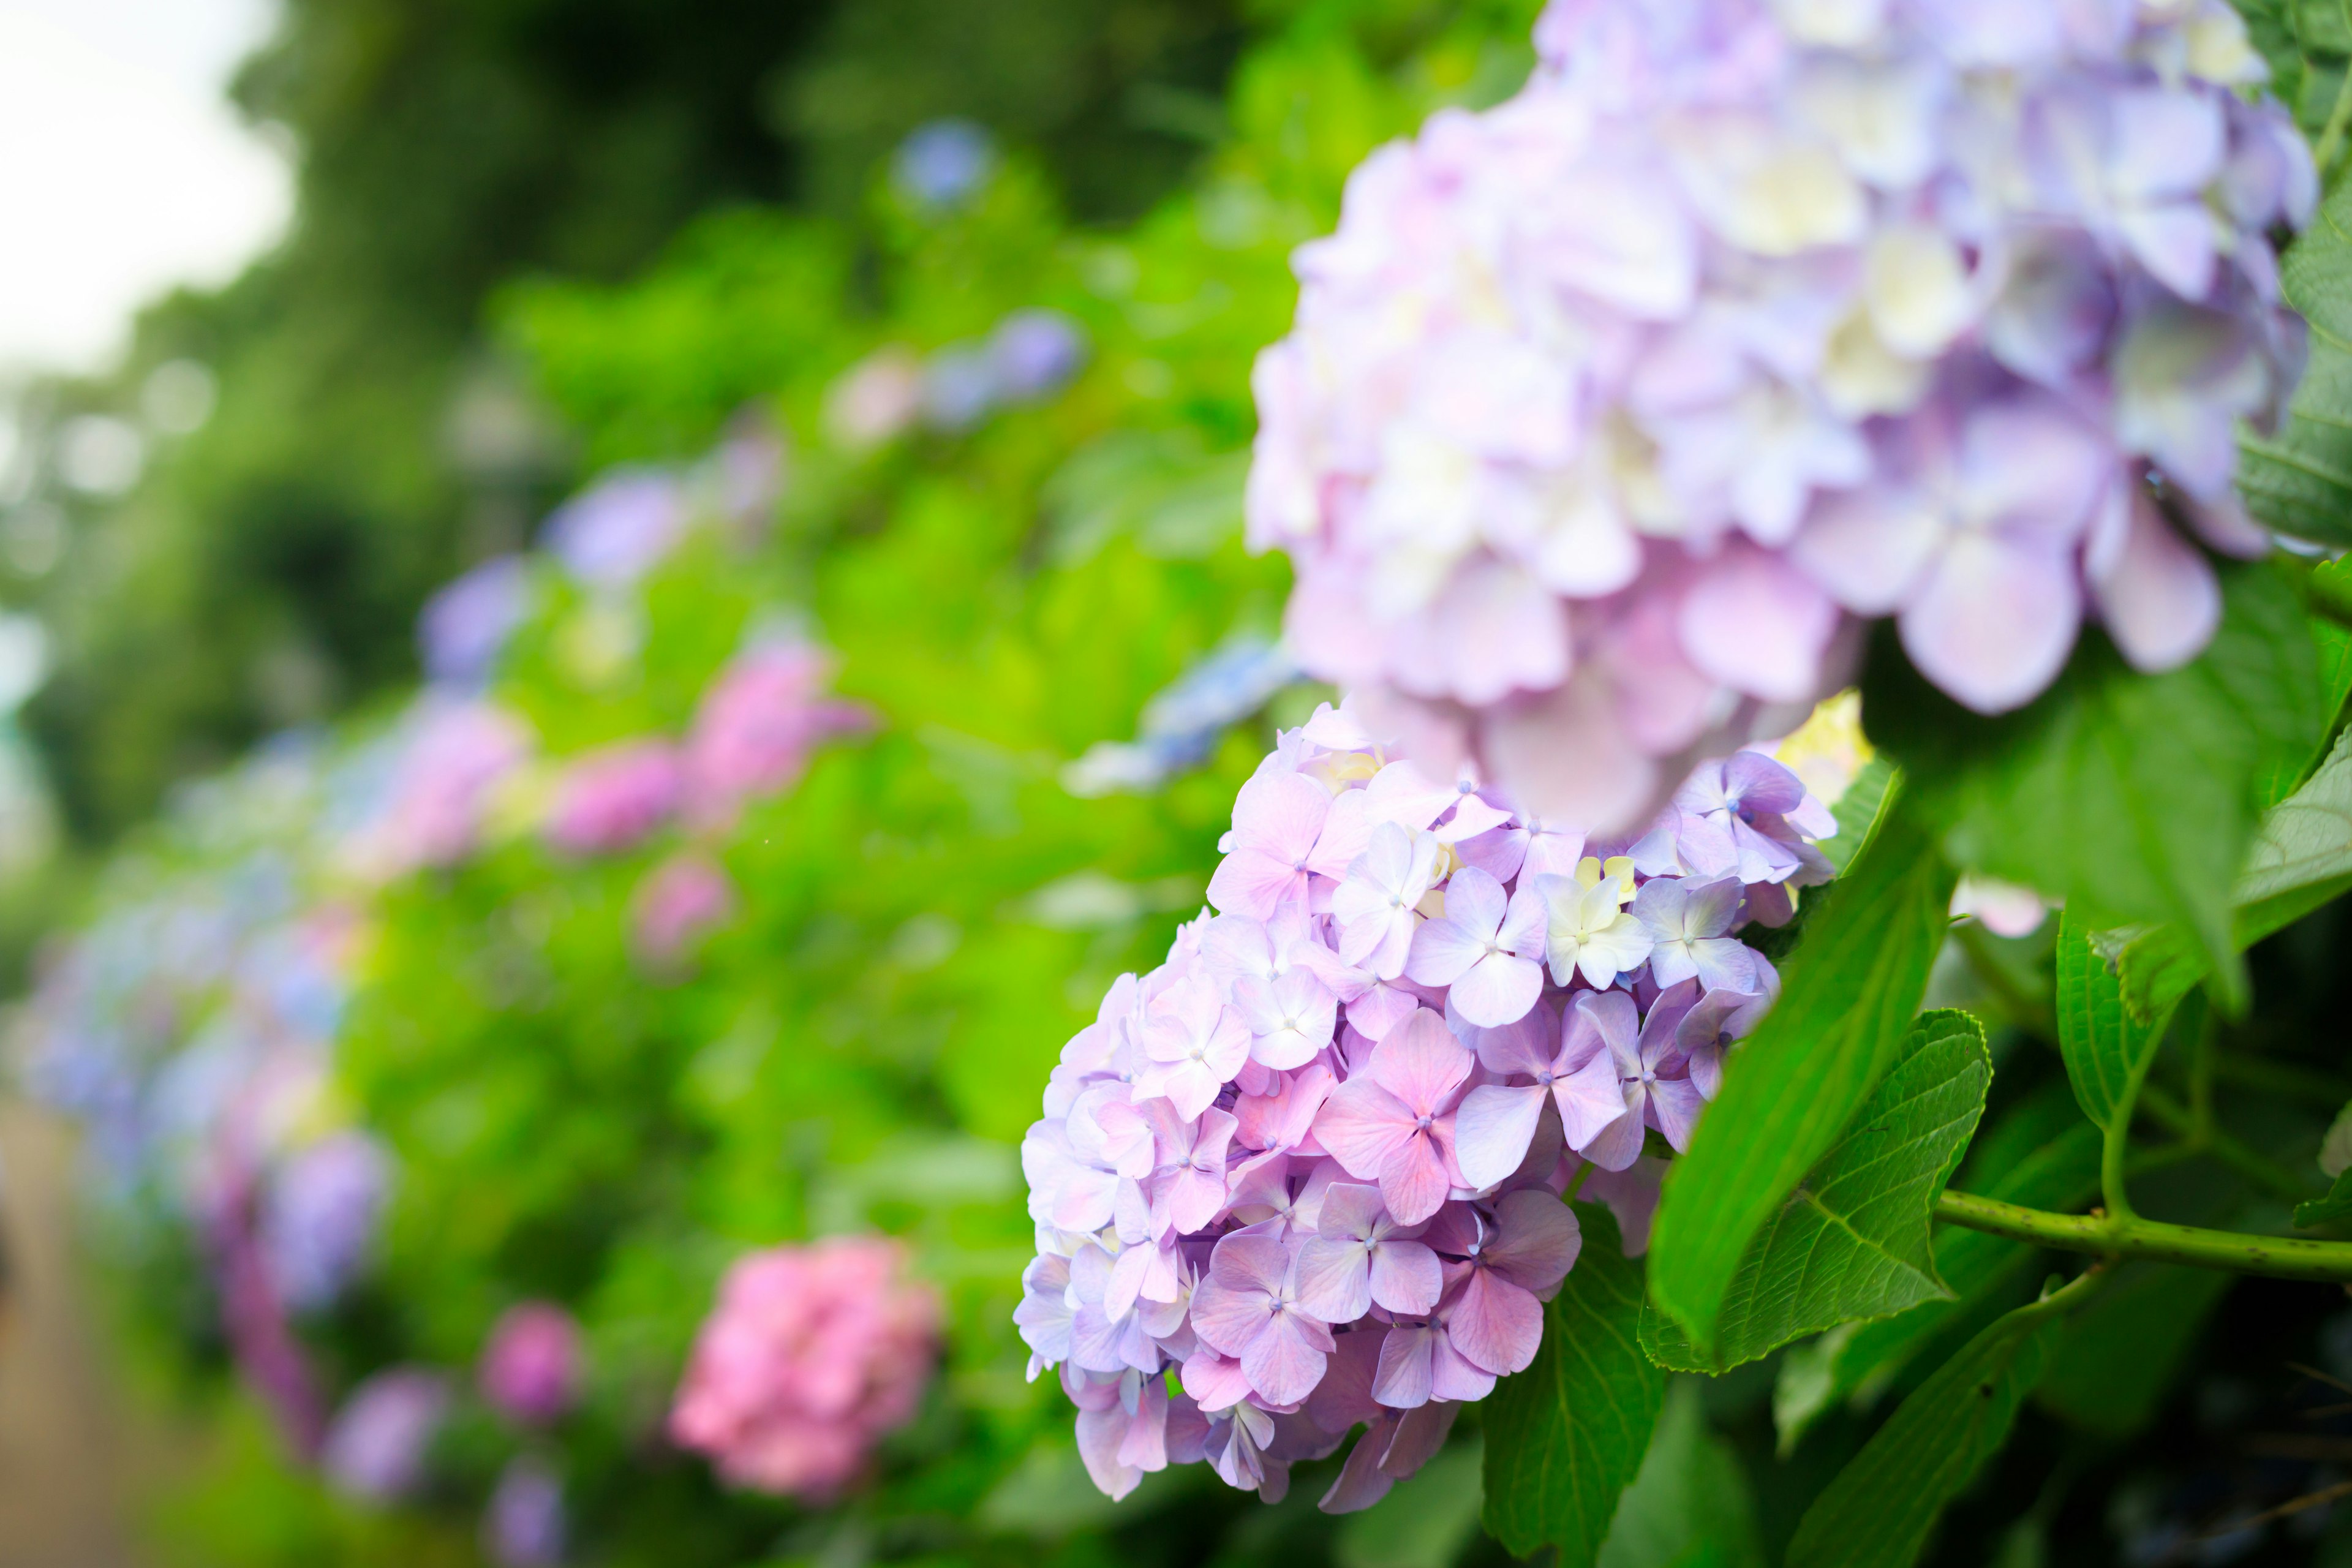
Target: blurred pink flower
{"type": "Point", "coordinates": [811, 1355]}
{"type": "Point", "coordinates": [610, 798]}
{"type": "Point", "coordinates": [530, 1369]}
{"type": "Point", "coordinates": [679, 902]}
{"type": "Point", "coordinates": [458, 754]}
{"type": "Point", "coordinates": [756, 726]}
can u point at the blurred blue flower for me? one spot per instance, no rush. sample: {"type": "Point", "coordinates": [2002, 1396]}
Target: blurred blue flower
{"type": "Point", "coordinates": [943, 164]}
{"type": "Point", "coordinates": [1179, 726]}
{"type": "Point", "coordinates": [465, 626]}
{"type": "Point", "coordinates": [1035, 352]}
{"type": "Point", "coordinates": [960, 387]}
{"type": "Point", "coordinates": [613, 534]}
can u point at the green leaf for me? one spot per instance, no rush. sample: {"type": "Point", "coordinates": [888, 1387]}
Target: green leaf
{"type": "Point", "coordinates": [2333, 1206]}
{"type": "Point", "coordinates": [1690, 1504]}
{"type": "Point", "coordinates": [1878, 1511]}
{"type": "Point", "coordinates": [2042, 1155]}
{"type": "Point", "coordinates": [2299, 481]}
{"type": "Point", "coordinates": [1852, 1241]}
{"type": "Point", "coordinates": [2116, 1360]}
{"type": "Point", "coordinates": [2130, 797]}
{"type": "Point", "coordinates": [1857, 810]}
{"type": "Point", "coordinates": [2105, 1046]}
{"type": "Point", "coordinates": [1848, 994]}
{"type": "Point", "coordinates": [1565, 1437]}
{"type": "Point", "coordinates": [2301, 859]}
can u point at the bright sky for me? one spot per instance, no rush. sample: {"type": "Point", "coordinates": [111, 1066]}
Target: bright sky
{"type": "Point", "coordinates": [122, 168]}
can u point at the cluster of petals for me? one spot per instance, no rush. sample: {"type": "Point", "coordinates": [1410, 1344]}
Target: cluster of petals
{"type": "Point", "coordinates": [813, 1355]}
{"type": "Point", "coordinates": [1612, 413]}
{"type": "Point", "coordinates": [1305, 1175]}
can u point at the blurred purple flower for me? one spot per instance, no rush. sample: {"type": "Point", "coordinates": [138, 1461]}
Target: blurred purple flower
{"type": "Point", "coordinates": [611, 534]}
{"type": "Point", "coordinates": [375, 1450]}
{"type": "Point", "coordinates": [525, 1525]}
{"type": "Point", "coordinates": [610, 798]}
{"type": "Point", "coordinates": [531, 1366]}
{"type": "Point", "coordinates": [456, 755]}
{"type": "Point", "coordinates": [465, 626]}
{"type": "Point", "coordinates": [321, 1216]}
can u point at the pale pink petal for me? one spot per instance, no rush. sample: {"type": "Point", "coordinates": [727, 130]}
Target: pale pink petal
{"type": "Point", "coordinates": [1252, 884]}
{"type": "Point", "coordinates": [1362, 1126]}
{"type": "Point", "coordinates": [1215, 1382]}
{"type": "Point", "coordinates": [1497, 1325]}
{"type": "Point", "coordinates": [1405, 1278]}
{"type": "Point", "coordinates": [1617, 1145]}
{"type": "Point", "coordinates": [1402, 1381]}
{"type": "Point", "coordinates": [1442, 951]}
{"type": "Point", "coordinates": [1101, 1435]}
{"type": "Point", "coordinates": [1334, 1279]}
{"type": "Point", "coordinates": [1422, 1064]}
{"type": "Point", "coordinates": [1349, 1212]}
{"type": "Point", "coordinates": [1453, 1376]}
{"type": "Point", "coordinates": [1676, 1102]}
{"type": "Point", "coordinates": [1250, 1263]}
{"type": "Point", "coordinates": [1498, 990]}
{"type": "Point", "coordinates": [1227, 1318]}
{"type": "Point", "coordinates": [2156, 595]}
{"type": "Point", "coordinates": [1414, 1181]}
{"type": "Point", "coordinates": [1755, 623]}
{"type": "Point", "coordinates": [1420, 1433]}
{"type": "Point", "coordinates": [1496, 1124]}
{"type": "Point", "coordinates": [1284, 1363]}
{"type": "Point", "coordinates": [1994, 621]}
{"type": "Point", "coordinates": [1361, 1482]}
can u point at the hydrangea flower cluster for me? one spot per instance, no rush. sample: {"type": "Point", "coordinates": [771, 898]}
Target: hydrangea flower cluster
{"type": "Point", "coordinates": [811, 1355]}
{"type": "Point", "coordinates": [1610, 412]}
{"type": "Point", "coordinates": [1031, 355]}
{"type": "Point", "coordinates": [1312, 1164]}
{"type": "Point", "coordinates": [531, 1366]}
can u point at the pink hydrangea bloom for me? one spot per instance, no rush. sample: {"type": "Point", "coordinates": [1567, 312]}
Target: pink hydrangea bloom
{"type": "Point", "coordinates": [756, 726]}
{"type": "Point", "coordinates": [531, 1366]}
{"type": "Point", "coordinates": [1611, 412]}
{"type": "Point", "coordinates": [610, 798]}
{"type": "Point", "coordinates": [811, 1355]}
{"type": "Point", "coordinates": [1312, 1162]}
{"type": "Point", "coordinates": [453, 756]}
{"type": "Point", "coordinates": [681, 900]}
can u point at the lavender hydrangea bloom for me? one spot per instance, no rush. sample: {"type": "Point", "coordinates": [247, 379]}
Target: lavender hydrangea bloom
{"type": "Point", "coordinates": [376, 1448]}
{"type": "Point", "coordinates": [464, 625]}
{"type": "Point", "coordinates": [1312, 1162]}
{"type": "Point", "coordinates": [1035, 352]}
{"type": "Point", "coordinates": [320, 1214]}
{"type": "Point", "coordinates": [944, 164]}
{"type": "Point", "coordinates": [1610, 413]}
{"type": "Point", "coordinates": [613, 534]}
{"type": "Point", "coordinates": [525, 1525]}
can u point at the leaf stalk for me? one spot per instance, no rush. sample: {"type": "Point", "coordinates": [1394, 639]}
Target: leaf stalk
{"type": "Point", "coordinates": [2109, 1236]}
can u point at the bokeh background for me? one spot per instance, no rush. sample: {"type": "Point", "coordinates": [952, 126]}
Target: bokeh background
{"type": "Point", "coordinates": [425, 427]}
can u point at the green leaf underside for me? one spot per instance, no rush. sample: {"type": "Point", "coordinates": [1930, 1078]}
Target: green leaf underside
{"type": "Point", "coordinates": [1565, 1437]}
{"type": "Point", "coordinates": [1849, 994]}
{"type": "Point", "coordinates": [2299, 481]}
{"type": "Point", "coordinates": [2130, 797]}
{"type": "Point", "coordinates": [2042, 1155]}
{"type": "Point", "coordinates": [1690, 1504]}
{"type": "Point", "coordinates": [1852, 1241]}
{"type": "Point", "coordinates": [1878, 1511]}
{"type": "Point", "coordinates": [2333, 1206]}
{"type": "Point", "coordinates": [2105, 1046]}
{"type": "Point", "coordinates": [2116, 1359]}
{"type": "Point", "coordinates": [2301, 859]}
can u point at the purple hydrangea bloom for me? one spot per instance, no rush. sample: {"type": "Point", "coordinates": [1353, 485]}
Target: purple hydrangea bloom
{"type": "Point", "coordinates": [1312, 1162]}
{"type": "Point", "coordinates": [376, 1448]}
{"type": "Point", "coordinates": [531, 1366]}
{"type": "Point", "coordinates": [525, 1525]}
{"type": "Point", "coordinates": [944, 164]}
{"type": "Point", "coordinates": [610, 798]}
{"type": "Point", "coordinates": [465, 626]}
{"type": "Point", "coordinates": [1034, 353]}
{"type": "Point", "coordinates": [611, 534]}
{"type": "Point", "coordinates": [1611, 412]}
{"type": "Point", "coordinates": [320, 1214]}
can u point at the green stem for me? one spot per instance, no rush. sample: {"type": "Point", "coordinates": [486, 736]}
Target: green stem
{"type": "Point", "coordinates": [2262, 1173]}
{"type": "Point", "coordinates": [2278, 1258]}
{"type": "Point", "coordinates": [2114, 1149]}
{"type": "Point", "coordinates": [1576, 1181]}
{"type": "Point", "coordinates": [2331, 139]}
